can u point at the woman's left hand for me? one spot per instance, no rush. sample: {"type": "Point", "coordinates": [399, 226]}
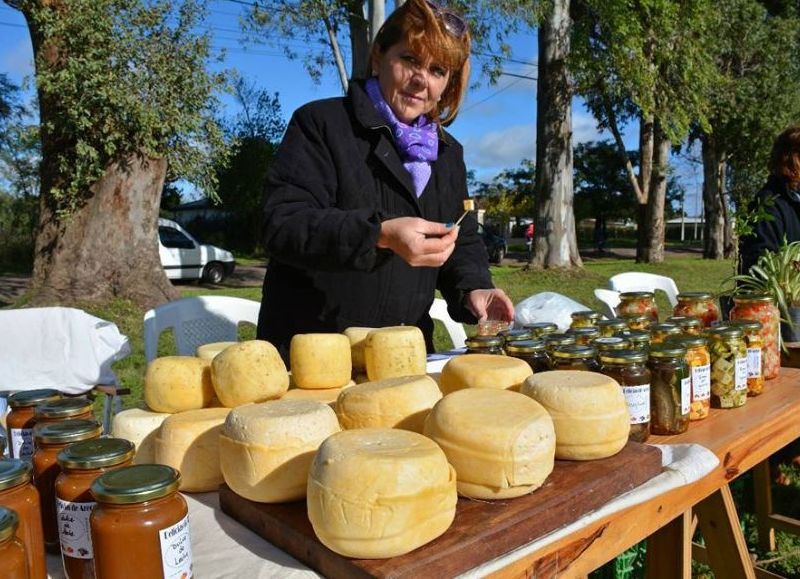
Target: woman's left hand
{"type": "Point", "coordinates": [489, 304]}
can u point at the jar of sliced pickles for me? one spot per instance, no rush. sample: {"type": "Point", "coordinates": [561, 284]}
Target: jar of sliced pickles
{"type": "Point", "coordinates": [762, 309]}
{"type": "Point", "coordinates": [728, 366]}
{"type": "Point", "coordinates": [638, 322]}
{"type": "Point", "coordinates": [640, 340]}
{"type": "Point", "coordinates": [540, 329]}
{"type": "Point", "coordinates": [755, 346]}
{"type": "Point", "coordinates": [575, 357]}
{"type": "Point", "coordinates": [485, 345]}
{"type": "Point", "coordinates": [700, 305]}
{"type": "Point", "coordinates": [557, 340]}
{"type": "Point", "coordinates": [699, 361]}
{"type": "Point", "coordinates": [660, 332]}
{"type": "Point", "coordinates": [689, 325]}
{"type": "Point", "coordinates": [515, 335]}
{"type": "Point", "coordinates": [611, 327]}
{"type": "Point", "coordinates": [585, 319]}
{"type": "Point", "coordinates": [584, 336]}
{"type": "Point", "coordinates": [532, 351]}
{"type": "Point", "coordinates": [628, 368]}
{"type": "Point", "coordinates": [670, 389]}
{"type": "Point", "coordinates": [608, 344]}
{"type": "Point", "coordinates": [638, 304]}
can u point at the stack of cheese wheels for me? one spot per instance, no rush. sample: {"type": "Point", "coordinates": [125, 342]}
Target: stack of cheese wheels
{"type": "Point", "coordinates": [250, 371]}
{"type": "Point", "coordinates": [395, 351]}
{"type": "Point", "coordinates": [208, 351]}
{"type": "Point", "coordinates": [189, 442]}
{"type": "Point", "coordinates": [588, 409]}
{"type": "Point", "coordinates": [321, 367]}
{"type": "Point", "coordinates": [358, 340]}
{"type": "Point", "coordinates": [178, 383]}
{"type": "Point", "coordinates": [375, 493]}
{"type": "Point", "coordinates": [501, 443]}
{"type": "Point", "coordinates": [391, 403]}
{"type": "Point", "coordinates": [266, 449]}
{"type": "Point", "coordinates": [483, 371]}
{"type": "Point", "coordinates": [140, 427]}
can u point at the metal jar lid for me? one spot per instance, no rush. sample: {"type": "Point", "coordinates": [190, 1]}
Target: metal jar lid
{"type": "Point", "coordinates": [664, 328]}
{"type": "Point", "coordinates": [541, 328]}
{"type": "Point", "coordinates": [623, 357]}
{"type": "Point", "coordinates": [725, 332]}
{"type": "Point", "coordinates": [586, 315]}
{"type": "Point", "coordinates": [66, 432]}
{"type": "Point", "coordinates": [97, 453]}
{"type": "Point", "coordinates": [610, 343]}
{"type": "Point", "coordinates": [747, 325]}
{"type": "Point", "coordinates": [9, 521]}
{"type": "Point", "coordinates": [481, 342]}
{"type": "Point", "coordinates": [574, 351]}
{"type": "Point", "coordinates": [687, 341]}
{"type": "Point", "coordinates": [30, 398]}
{"type": "Point", "coordinates": [636, 295]}
{"type": "Point", "coordinates": [556, 339]}
{"type": "Point", "coordinates": [636, 336]}
{"type": "Point", "coordinates": [515, 335]}
{"type": "Point", "coordinates": [695, 296]}
{"type": "Point", "coordinates": [636, 318]}
{"type": "Point", "coordinates": [615, 323]}
{"type": "Point", "coordinates": [752, 297]}
{"type": "Point", "coordinates": [63, 408]}
{"type": "Point", "coordinates": [14, 472]}
{"type": "Point", "coordinates": [584, 332]}
{"type": "Point", "coordinates": [670, 350]}
{"type": "Point", "coordinates": [525, 347]}
{"type": "Point", "coordinates": [136, 484]}
{"type": "Point", "coordinates": [685, 321]}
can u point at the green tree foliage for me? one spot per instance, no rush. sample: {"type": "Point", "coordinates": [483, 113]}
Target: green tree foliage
{"type": "Point", "coordinates": [602, 190]}
{"type": "Point", "coordinates": [510, 194]}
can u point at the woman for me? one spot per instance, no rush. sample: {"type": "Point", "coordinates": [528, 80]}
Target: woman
{"type": "Point", "coordinates": [362, 197]}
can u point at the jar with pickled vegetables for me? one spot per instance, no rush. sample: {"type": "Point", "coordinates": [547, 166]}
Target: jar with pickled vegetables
{"type": "Point", "coordinates": [585, 319]}
{"type": "Point", "coordinates": [639, 340]}
{"type": "Point", "coordinates": [515, 335]}
{"type": "Point", "coordinates": [699, 362]}
{"type": "Point", "coordinates": [532, 351]}
{"type": "Point", "coordinates": [728, 366]}
{"type": "Point", "coordinates": [492, 327]}
{"type": "Point", "coordinates": [755, 346]}
{"type": "Point", "coordinates": [485, 345]}
{"type": "Point", "coordinates": [556, 340]}
{"type": "Point", "coordinates": [584, 336]}
{"type": "Point", "coordinates": [660, 332]}
{"type": "Point", "coordinates": [689, 325]}
{"type": "Point", "coordinates": [13, 559]}
{"type": "Point", "coordinates": [611, 327]}
{"type": "Point", "coordinates": [603, 344]}
{"type": "Point", "coordinates": [575, 357]}
{"type": "Point", "coordinates": [540, 329]}
{"type": "Point", "coordinates": [762, 309]}
{"type": "Point", "coordinates": [20, 421]}
{"type": "Point", "coordinates": [638, 303]}
{"type": "Point", "coordinates": [638, 322]}
{"type": "Point", "coordinates": [628, 368]}
{"type": "Point", "coordinates": [670, 389]}
{"type": "Point", "coordinates": [700, 305]}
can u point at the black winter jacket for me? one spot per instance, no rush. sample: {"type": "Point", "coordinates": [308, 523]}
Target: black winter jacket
{"type": "Point", "coordinates": [337, 176]}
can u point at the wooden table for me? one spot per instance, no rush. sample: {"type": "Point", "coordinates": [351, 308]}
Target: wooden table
{"type": "Point", "coordinates": [741, 438]}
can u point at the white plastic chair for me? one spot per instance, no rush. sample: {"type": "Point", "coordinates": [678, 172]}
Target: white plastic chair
{"type": "Point", "coordinates": [197, 321]}
{"type": "Point", "coordinates": [438, 311]}
{"type": "Point", "coordinates": [634, 281]}
{"type": "Point", "coordinates": [610, 300]}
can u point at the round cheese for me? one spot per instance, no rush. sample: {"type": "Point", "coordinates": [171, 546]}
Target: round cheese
{"type": "Point", "coordinates": [588, 409]}
{"type": "Point", "coordinates": [376, 493]}
{"type": "Point", "coordinates": [208, 351]}
{"type": "Point", "coordinates": [189, 442]}
{"type": "Point", "coordinates": [390, 403]}
{"type": "Point", "coordinates": [140, 427]}
{"type": "Point", "coordinates": [251, 371]}
{"type": "Point", "coordinates": [501, 443]}
{"type": "Point", "coordinates": [266, 449]}
{"type": "Point", "coordinates": [178, 383]}
{"type": "Point", "coordinates": [358, 339]}
{"type": "Point", "coordinates": [395, 351]}
{"type": "Point", "coordinates": [324, 395]}
{"type": "Point", "coordinates": [483, 371]}
{"type": "Point", "coordinates": [320, 360]}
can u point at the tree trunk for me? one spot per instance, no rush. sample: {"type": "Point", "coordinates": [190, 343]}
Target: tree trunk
{"type": "Point", "coordinates": [713, 207]}
{"type": "Point", "coordinates": [646, 149]}
{"type": "Point", "coordinates": [360, 38]}
{"type": "Point", "coordinates": [377, 15]}
{"type": "Point", "coordinates": [555, 241]}
{"type": "Point", "coordinates": [653, 250]}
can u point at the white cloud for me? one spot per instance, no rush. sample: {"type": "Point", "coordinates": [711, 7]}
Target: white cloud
{"type": "Point", "coordinates": [501, 149]}
{"type": "Point", "coordinates": [584, 128]}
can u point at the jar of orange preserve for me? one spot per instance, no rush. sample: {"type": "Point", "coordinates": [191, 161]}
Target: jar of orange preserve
{"type": "Point", "coordinates": [64, 409]}
{"type": "Point", "coordinates": [20, 420]}
{"type": "Point", "coordinates": [18, 493]}
{"type": "Point", "coordinates": [13, 562]}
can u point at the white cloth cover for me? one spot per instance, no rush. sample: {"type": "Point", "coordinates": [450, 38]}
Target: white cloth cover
{"type": "Point", "coordinates": [61, 348]}
{"type": "Point", "coordinates": [547, 307]}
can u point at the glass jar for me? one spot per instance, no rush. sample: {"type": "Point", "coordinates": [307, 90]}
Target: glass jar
{"type": "Point", "coordinates": [20, 420]}
{"type": "Point", "coordinates": [584, 336]}
{"type": "Point", "coordinates": [670, 389]}
{"type": "Point", "coordinates": [628, 368]}
{"type": "Point", "coordinates": [638, 304]}
{"type": "Point", "coordinates": [18, 493]}
{"type": "Point", "coordinates": [607, 344]}
{"type": "Point", "coordinates": [728, 366]}
{"type": "Point", "coordinates": [699, 362]}
{"type": "Point", "coordinates": [639, 339]}
{"type": "Point", "coordinates": [700, 305]}
{"type": "Point", "coordinates": [140, 522]}
{"type": "Point", "coordinates": [575, 357]}
{"type": "Point", "coordinates": [532, 351]}
{"type": "Point", "coordinates": [515, 335]}
{"type": "Point", "coordinates": [762, 309]}
{"type": "Point", "coordinates": [492, 327]}
{"type": "Point", "coordinates": [638, 322]}
{"type": "Point", "coordinates": [660, 332]}
{"type": "Point", "coordinates": [50, 439]}
{"type": "Point", "coordinates": [689, 325]}
{"type": "Point", "coordinates": [540, 329]}
{"type": "Point", "coordinates": [555, 341]}
{"type": "Point", "coordinates": [585, 319]}
{"type": "Point", "coordinates": [64, 409]}
{"type": "Point", "coordinates": [611, 327]}
{"type": "Point", "coordinates": [13, 559]}
{"type": "Point", "coordinates": [755, 346]}
{"type": "Point", "coordinates": [81, 463]}
{"type": "Point", "coordinates": [485, 345]}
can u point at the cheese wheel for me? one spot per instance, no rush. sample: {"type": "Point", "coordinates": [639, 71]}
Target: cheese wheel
{"type": "Point", "coordinates": [266, 449]}
{"type": "Point", "coordinates": [208, 351]}
{"type": "Point", "coordinates": [501, 443]}
{"type": "Point", "coordinates": [395, 351]}
{"type": "Point", "coordinates": [375, 493]}
{"type": "Point", "coordinates": [390, 403]}
{"type": "Point", "coordinates": [251, 371]}
{"type": "Point", "coordinates": [140, 427]}
{"type": "Point", "coordinates": [483, 371]}
{"type": "Point", "coordinates": [320, 360]}
{"type": "Point", "coordinates": [177, 384]}
{"type": "Point", "coordinates": [325, 395]}
{"type": "Point", "coordinates": [189, 442]}
{"type": "Point", "coordinates": [358, 340]}
{"type": "Point", "coordinates": [588, 409]}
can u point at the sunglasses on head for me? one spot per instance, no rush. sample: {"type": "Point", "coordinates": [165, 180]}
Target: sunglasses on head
{"type": "Point", "coordinates": [453, 23]}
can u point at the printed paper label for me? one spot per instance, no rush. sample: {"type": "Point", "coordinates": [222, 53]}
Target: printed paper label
{"type": "Point", "coordinates": [686, 395]}
{"type": "Point", "coordinates": [176, 550]}
{"type": "Point", "coordinates": [22, 443]}
{"type": "Point", "coordinates": [638, 399]}
{"type": "Point", "coordinates": [73, 528]}
{"type": "Point", "coordinates": [754, 362]}
{"type": "Point", "coordinates": [701, 382]}
{"type": "Point", "coordinates": [740, 382]}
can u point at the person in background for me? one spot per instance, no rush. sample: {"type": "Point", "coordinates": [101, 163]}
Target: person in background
{"type": "Point", "coordinates": [362, 199]}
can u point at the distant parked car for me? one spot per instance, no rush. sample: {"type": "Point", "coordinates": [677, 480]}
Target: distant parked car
{"type": "Point", "coordinates": [183, 257]}
{"type": "Point", "coordinates": [496, 245]}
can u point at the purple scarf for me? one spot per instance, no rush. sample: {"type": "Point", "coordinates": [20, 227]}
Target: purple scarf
{"type": "Point", "coordinates": [418, 142]}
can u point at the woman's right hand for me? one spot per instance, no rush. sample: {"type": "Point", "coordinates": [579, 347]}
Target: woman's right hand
{"type": "Point", "coordinates": [419, 242]}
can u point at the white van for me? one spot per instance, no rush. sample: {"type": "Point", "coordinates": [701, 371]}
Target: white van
{"type": "Point", "coordinates": [183, 257]}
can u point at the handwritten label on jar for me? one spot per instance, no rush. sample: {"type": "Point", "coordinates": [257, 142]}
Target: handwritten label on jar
{"type": "Point", "coordinates": [73, 528]}
{"type": "Point", "coordinates": [701, 382]}
{"type": "Point", "coordinates": [638, 399]}
{"type": "Point", "coordinates": [754, 362]}
{"type": "Point", "coordinates": [740, 382]}
{"type": "Point", "coordinates": [22, 443]}
{"type": "Point", "coordinates": [686, 395]}
{"type": "Point", "coordinates": [176, 550]}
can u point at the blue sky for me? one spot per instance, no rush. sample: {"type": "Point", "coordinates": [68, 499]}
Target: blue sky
{"type": "Point", "coordinates": [496, 124]}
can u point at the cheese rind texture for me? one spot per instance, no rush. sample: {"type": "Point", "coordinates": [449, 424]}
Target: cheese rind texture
{"type": "Point", "coordinates": [324, 395]}
{"type": "Point", "coordinates": [394, 352]}
{"type": "Point", "coordinates": [250, 371]}
{"type": "Point", "coordinates": [501, 443]}
{"type": "Point", "coordinates": [391, 403]}
{"type": "Point", "coordinates": [376, 493]}
{"type": "Point", "coordinates": [483, 371]}
{"type": "Point", "coordinates": [266, 449]}
{"type": "Point", "coordinates": [208, 351]}
{"type": "Point", "coordinates": [178, 383]}
{"type": "Point", "coordinates": [140, 427]}
{"type": "Point", "coordinates": [189, 442]}
{"type": "Point", "coordinates": [320, 360]}
{"type": "Point", "coordinates": [358, 340]}
{"type": "Point", "coordinates": [588, 409]}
